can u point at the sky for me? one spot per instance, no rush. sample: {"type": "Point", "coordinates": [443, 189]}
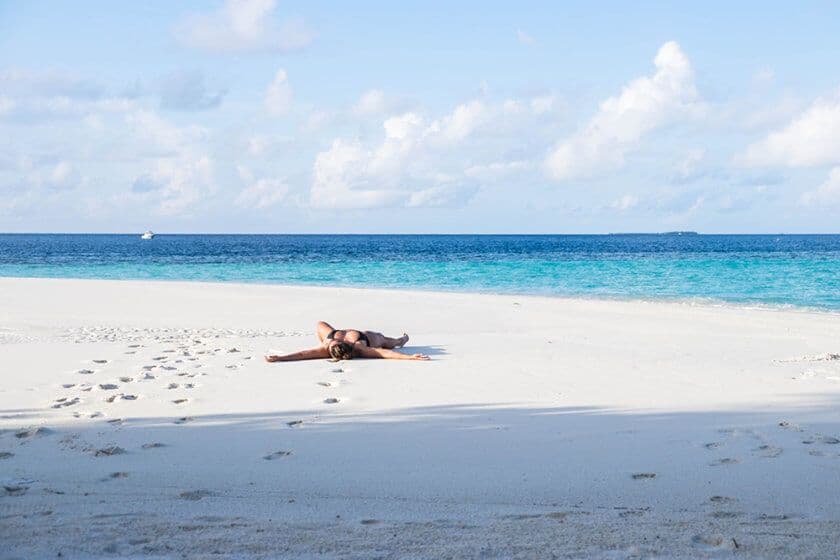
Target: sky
{"type": "Point", "coordinates": [264, 116]}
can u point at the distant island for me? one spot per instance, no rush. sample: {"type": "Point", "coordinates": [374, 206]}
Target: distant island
{"type": "Point", "coordinates": [661, 233]}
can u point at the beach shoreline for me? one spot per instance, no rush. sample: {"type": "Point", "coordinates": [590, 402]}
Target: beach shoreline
{"type": "Point", "coordinates": [695, 302]}
{"type": "Point", "coordinates": [543, 425]}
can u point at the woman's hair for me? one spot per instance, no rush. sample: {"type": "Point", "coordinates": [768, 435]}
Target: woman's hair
{"type": "Point", "coordinates": [341, 351]}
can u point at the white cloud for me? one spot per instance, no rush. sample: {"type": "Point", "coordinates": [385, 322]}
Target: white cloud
{"type": "Point", "coordinates": [497, 170]}
{"type": "Point", "coordinates": [543, 104]}
{"type": "Point", "coordinates": [524, 38]}
{"type": "Point", "coordinates": [371, 102]}
{"type": "Point", "coordinates": [243, 25]}
{"type": "Point", "coordinates": [812, 138]}
{"type": "Point", "coordinates": [174, 185]}
{"type": "Point", "coordinates": [417, 162]}
{"type": "Point", "coordinates": [278, 96]}
{"type": "Point", "coordinates": [177, 173]}
{"type": "Point", "coordinates": [158, 137]}
{"type": "Point", "coordinates": [188, 91]}
{"type": "Point", "coordinates": [621, 121]}
{"type": "Point", "coordinates": [827, 194]}
{"type": "Point", "coordinates": [6, 105]}
{"type": "Point", "coordinates": [688, 168]}
{"type": "Point", "coordinates": [625, 202]}
{"type": "Point", "coordinates": [29, 96]}
{"type": "Point", "coordinates": [63, 175]}
{"type": "Point", "coordinates": [51, 176]}
{"type": "Point", "coordinates": [261, 193]}
{"type": "Point", "coordinates": [463, 121]}
{"type": "Point", "coordinates": [341, 179]}
{"type": "Point", "coordinates": [270, 145]}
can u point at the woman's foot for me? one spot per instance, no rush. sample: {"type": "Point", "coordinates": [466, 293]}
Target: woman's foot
{"type": "Point", "coordinates": [401, 341]}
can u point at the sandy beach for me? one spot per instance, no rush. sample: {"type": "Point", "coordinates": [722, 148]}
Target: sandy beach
{"type": "Point", "coordinates": [139, 420]}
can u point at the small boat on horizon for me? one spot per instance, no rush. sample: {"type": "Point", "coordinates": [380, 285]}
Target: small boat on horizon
{"type": "Point", "coordinates": [148, 235]}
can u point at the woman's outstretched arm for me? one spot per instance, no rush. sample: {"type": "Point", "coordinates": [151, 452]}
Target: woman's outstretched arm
{"type": "Point", "coordinates": [311, 354]}
{"type": "Point", "coordinates": [384, 353]}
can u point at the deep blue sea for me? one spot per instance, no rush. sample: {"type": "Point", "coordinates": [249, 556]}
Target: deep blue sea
{"type": "Point", "coordinates": [787, 270]}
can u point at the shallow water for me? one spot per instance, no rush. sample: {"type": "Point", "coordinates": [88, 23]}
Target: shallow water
{"type": "Point", "coordinates": [796, 270]}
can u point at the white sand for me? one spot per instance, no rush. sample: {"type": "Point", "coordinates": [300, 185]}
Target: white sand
{"type": "Point", "coordinates": [530, 434]}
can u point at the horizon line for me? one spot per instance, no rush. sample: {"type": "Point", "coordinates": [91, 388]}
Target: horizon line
{"type": "Point", "coordinates": [675, 233]}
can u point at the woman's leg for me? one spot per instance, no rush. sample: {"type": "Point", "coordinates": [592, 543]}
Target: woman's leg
{"type": "Point", "coordinates": [379, 340]}
{"type": "Point", "coordinates": [322, 330]}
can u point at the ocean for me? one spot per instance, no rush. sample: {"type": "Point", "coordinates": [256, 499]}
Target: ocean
{"type": "Point", "coordinates": [765, 270]}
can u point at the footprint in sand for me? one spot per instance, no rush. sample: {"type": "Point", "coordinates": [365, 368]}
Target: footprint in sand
{"type": "Point", "coordinates": [69, 385]}
{"type": "Point", "coordinates": [153, 445]}
{"type": "Point", "coordinates": [189, 385]}
{"type": "Point", "coordinates": [768, 451]}
{"type": "Point", "coordinates": [725, 461]}
{"type": "Point", "coordinates": [85, 371]}
{"type": "Point", "coordinates": [789, 426]}
{"type": "Point", "coordinates": [195, 495]}
{"type": "Point", "coordinates": [160, 358]}
{"type": "Point", "coordinates": [126, 379]}
{"type": "Point", "coordinates": [370, 522]}
{"type": "Point", "coordinates": [128, 397]}
{"type": "Point", "coordinates": [184, 420]}
{"type": "Point", "coordinates": [331, 400]}
{"type": "Point", "coordinates": [325, 384]}
{"type": "Point", "coordinates": [6, 455]}
{"type": "Point", "coordinates": [773, 517]}
{"type": "Point", "coordinates": [148, 375]}
{"type": "Point", "coordinates": [712, 543]}
{"type": "Point", "coordinates": [100, 361]}
{"type": "Point", "coordinates": [28, 433]}
{"type": "Point", "coordinates": [277, 455]}
{"type": "Point", "coordinates": [108, 386]}
{"type": "Point", "coordinates": [115, 421]}
{"type": "Point", "coordinates": [86, 387]}
{"type": "Point", "coordinates": [172, 386]}
{"type": "Point", "coordinates": [713, 445]}
{"type": "Point", "coordinates": [294, 423]}
{"type": "Point", "coordinates": [643, 476]}
{"type": "Point", "coordinates": [108, 451]}
{"type": "Point", "coordinates": [180, 401]}
{"type": "Point", "coordinates": [725, 514]}
{"type": "Point", "coordinates": [632, 513]}
{"type": "Point", "coordinates": [65, 402]}
{"type": "Point", "coordinates": [149, 367]}
{"type": "Point", "coordinates": [829, 440]}
{"type": "Point", "coordinates": [118, 474]}
{"type": "Point", "coordinates": [722, 500]}
{"type": "Point", "coordinates": [134, 346]}
{"type": "Point", "coordinates": [15, 489]}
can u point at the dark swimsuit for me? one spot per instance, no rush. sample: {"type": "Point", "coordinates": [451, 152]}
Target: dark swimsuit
{"type": "Point", "coordinates": [362, 336]}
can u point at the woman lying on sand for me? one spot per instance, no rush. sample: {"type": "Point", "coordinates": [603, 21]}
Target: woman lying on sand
{"type": "Point", "coordinates": [348, 344]}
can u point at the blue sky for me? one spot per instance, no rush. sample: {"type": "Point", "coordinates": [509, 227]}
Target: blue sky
{"type": "Point", "coordinates": [533, 117]}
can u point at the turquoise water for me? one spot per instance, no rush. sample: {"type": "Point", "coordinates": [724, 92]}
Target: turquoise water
{"type": "Point", "coordinates": [795, 270]}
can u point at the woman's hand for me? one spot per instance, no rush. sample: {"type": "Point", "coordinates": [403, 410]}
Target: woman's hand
{"type": "Point", "coordinates": [272, 358]}
{"type": "Point", "coordinates": [418, 357]}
